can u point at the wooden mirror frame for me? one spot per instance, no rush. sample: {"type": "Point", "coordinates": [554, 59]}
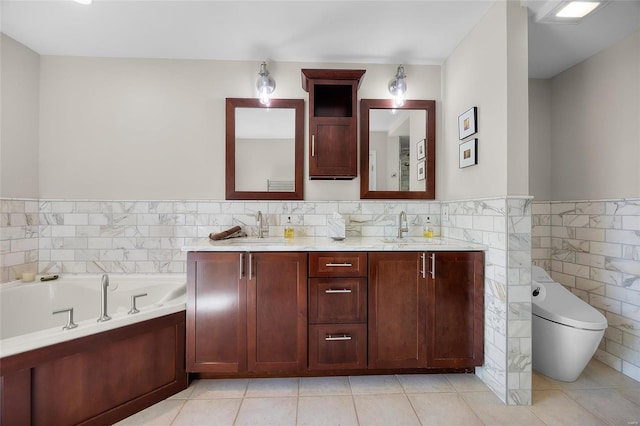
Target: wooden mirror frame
{"type": "Point", "coordinates": [230, 150]}
{"type": "Point", "coordinates": [430, 108]}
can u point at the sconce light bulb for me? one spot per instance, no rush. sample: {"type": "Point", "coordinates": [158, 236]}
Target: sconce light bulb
{"type": "Point", "coordinates": [265, 84]}
{"type": "Point", "coordinates": [398, 87]}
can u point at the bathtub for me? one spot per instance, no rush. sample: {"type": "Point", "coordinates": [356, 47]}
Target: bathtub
{"type": "Point", "coordinates": [27, 322]}
{"type": "Point", "coordinates": [99, 372]}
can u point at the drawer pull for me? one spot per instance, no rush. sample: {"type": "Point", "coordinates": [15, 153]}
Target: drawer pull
{"type": "Point", "coordinates": [331, 338]}
{"type": "Point", "coordinates": [344, 290]}
{"type": "Point", "coordinates": [348, 265]}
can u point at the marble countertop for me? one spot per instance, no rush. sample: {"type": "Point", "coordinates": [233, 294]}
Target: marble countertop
{"type": "Point", "coordinates": [328, 244]}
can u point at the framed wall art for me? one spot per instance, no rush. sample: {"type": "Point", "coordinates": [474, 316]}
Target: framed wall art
{"type": "Point", "coordinates": [421, 150]}
{"type": "Point", "coordinates": [422, 172]}
{"type": "Point", "coordinates": [468, 123]}
{"type": "Point", "coordinates": [468, 153]}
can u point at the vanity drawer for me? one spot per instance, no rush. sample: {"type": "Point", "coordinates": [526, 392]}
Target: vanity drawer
{"type": "Point", "coordinates": [337, 264]}
{"type": "Point", "coordinates": [337, 346]}
{"type": "Point", "coordinates": [337, 300]}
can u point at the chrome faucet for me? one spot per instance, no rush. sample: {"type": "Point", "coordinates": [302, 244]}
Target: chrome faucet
{"type": "Point", "coordinates": [103, 299]}
{"type": "Point", "coordinates": [401, 229]}
{"type": "Point", "coordinates": [260, 224]}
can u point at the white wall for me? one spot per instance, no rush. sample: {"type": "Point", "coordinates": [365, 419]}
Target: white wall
{"type": "Point", "coordinates": [19, 120]}
{"type": "Point", "coordinates": [487, 70]}
{"type": "Point", "coordinates": [154, 129]}
{"type": "Point", "coordinates": [595, 126]}
{"type": "Point", "coordinates": [540, 139]}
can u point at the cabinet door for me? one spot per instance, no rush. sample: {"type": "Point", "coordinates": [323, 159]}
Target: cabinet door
{"type": "Point", "coordinates": [216, 312]}
{"type": "Point", "coordinates": [333, 144]}
{"type": "Point", "coordinates": [397, 310]}
{"type": "Point", "coordinates": [277, 312]}
{"type": "Point", "coordinates": [456, 309]}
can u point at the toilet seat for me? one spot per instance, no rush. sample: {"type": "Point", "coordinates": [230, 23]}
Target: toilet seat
{"type": "Point", "coordinates": [556, 303]}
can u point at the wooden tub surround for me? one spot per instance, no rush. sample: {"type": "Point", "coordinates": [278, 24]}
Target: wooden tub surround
{"type": "Point", "coordinates": [98, 379]}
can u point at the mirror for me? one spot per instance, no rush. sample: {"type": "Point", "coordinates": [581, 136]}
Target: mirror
{"type": "Point", "coordinates": [398, 149]}
{"type": "Point", "coordinates": [264, 149]}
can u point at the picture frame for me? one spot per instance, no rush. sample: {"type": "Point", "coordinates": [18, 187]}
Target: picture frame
{"type": "Point", "coordinates": [420, 149]}
{"type": "Point", "coordinates": [468, 123]}
{"type": "Point", "coordinates": [422, 170]}
{"type": "Point", "coordinates": [468, 152]}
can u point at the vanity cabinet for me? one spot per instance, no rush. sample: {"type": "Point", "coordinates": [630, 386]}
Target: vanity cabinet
{"type": "Point", "coordinates": [333, 139]}
{"type": "Point", "coordinates": [337, 311]}
{"type": "Point", "coordinates": [246, 312]}
{"type": "Point", "coordinates": [455, 318]}
{"type": "Point", "coordinates": [426, 310]}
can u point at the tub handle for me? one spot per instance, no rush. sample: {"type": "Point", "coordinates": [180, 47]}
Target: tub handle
{"type": "Point", "coordinates": [133, 309]}
{"type": "Point", "coordinates": [70, 324]}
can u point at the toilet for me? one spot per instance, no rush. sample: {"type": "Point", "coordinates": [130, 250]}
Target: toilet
{"type": "Point", "coordinates": [566, 330]}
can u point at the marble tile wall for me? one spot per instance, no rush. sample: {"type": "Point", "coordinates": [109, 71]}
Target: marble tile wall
{"type": "Point", "coordinates": [19, 234]}
{"type": "Point", "coordinates": [504, 225]}
{"type": "Point", "coordinates": [593, 248]}
{"type": "Point", "coordinates": [93, 236]}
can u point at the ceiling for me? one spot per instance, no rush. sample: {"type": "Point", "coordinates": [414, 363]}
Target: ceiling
{"type": "Point", "coordinates": [360, 31]}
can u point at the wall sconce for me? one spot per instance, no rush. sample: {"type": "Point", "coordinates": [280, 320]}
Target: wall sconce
{"type": "Point", "coordinates": [265, 84]}
{"type": "Point", "coordinates": [398, 86]}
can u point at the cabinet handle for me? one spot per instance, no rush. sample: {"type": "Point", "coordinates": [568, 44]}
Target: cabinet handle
{"type": "Point", "coordinates": [313, 145]}
{"type": "Point", "coordinates": [433, 266]}
{"type": "Point", "coordinates": [250, 266]}
{"type": "Point", "coordinates": [331, 338]}
{"type": "Point", "coordinates": [348, 265]}
{"type": "Point", "coordinates": [241, 265]}
{"type": "Point", "coordinates": [344, 290]}
{"type": "Point", "coordinates": [423, 271]}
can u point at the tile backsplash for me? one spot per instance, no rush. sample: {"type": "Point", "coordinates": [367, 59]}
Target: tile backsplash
{"type": "Point", "coordinates": [593, 248]}
{"type": "Point", "coordinates": [93, 236]}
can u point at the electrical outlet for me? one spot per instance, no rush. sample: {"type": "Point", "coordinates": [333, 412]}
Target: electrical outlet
{"type": "Point", "coordinates": [445, 213]}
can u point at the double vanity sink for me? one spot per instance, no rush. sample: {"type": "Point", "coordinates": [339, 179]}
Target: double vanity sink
{"type": "Point", "coordinates": [315, 306]}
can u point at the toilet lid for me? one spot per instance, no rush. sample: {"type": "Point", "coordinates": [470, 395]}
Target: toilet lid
{"type": "Point", "coordinates": [556, 303]}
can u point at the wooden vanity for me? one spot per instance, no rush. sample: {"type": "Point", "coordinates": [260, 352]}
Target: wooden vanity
{"type": "Point", "coordinates": [313, 306]}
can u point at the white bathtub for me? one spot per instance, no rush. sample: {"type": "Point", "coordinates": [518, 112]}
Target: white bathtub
{"type": "Point", "coordinates": [27, 322]}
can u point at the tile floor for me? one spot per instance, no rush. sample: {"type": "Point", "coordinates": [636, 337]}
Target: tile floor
{"type": "Point", "coordinates": [601, 396]}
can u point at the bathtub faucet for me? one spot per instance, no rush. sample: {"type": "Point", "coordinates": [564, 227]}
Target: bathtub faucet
{"type": "Point", "coordinates": [103, 299]}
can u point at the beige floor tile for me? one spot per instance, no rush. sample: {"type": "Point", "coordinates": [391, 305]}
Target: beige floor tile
{"type": "Point", "coordinates": [219, 388]}
{"type": "Point", "coordinates": [466, 383]}
{"type": "Point", "coordinates": [443, 409]}
{"type": "Point", "coordinates": [272, 387]}
{"type": "Point", "coordinates": [555, 408]}
{"type": "Point", "coordinates": [374, 385]}
{"type": "Point", "coordinates": [217, 412]}
{"type": "Point", "coordinates": [268, 411]}
{"type": "Point", "coordinates": [492, 411]}
{"type": "Point", "coordinates": [542, 382]}
{"type": "Point", "coordinates": [185, 394]}
{"type": "Point", "coordinates": [160, 414]}
{"type": "Point", "coordinates": [327, 410]}
{"type": "Point", "coordinates": [632, 394]}
{"type": "Point", "coordinates": [607, 376]}
{"type": "Point", "coordinates": [608, 404]}
{"type": "Point", "coordinates": [387, 409]}
{"type": "Point", "coordinates": [324, 386]}
{"type": "Point", "coordinates": [418, 383]}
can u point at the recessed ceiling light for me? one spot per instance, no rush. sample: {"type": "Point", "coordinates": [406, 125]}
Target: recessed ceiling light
{"type": "Point", "coordinates": [83, 1]}
{"type": "Point", "coordinates": [577, 9]}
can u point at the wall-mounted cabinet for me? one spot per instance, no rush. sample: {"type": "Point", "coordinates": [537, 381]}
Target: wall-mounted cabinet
{"type": "Point", "coordinates": [333, 122]}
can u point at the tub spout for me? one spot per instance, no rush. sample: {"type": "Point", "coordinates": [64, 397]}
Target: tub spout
{"type": "Point", "coordinates": [103, 299]}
